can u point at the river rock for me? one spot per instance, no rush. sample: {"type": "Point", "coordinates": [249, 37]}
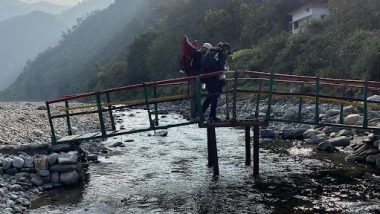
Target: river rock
{"type": "Point", "coordinates": [349, 110]}
{"type": "Point", "coordinates": [332, 112]}
{"type": "Point", "coordinates": [375, 98]}
{"type": "Point", "coordinates": [378, 161]}
{"type": "Point", "coordinates": [18, 162]}
{"type": "Point", "coordinates": [267, 133]}
{"type": "Point", "coordinates": [28, 163]}
{"type": "Point", "coordinates": [352, 119]}
{"type": "Point", "coordinates": [52, 159]}
{"type": "Point", "coordinates": [63, 168]}
{"type": "Point", "coordinates": [40, 163]}
{"type": "Point", "coordinates": [292, 133]}
{"type": "Point", "coordinates": [7, 163]}
{"type": "Point", "coordinates": [55, 177]}
{"type": "Point", "coordinates": [290, 114]}
{"type": "Point", "coordinates": [43, 173]}
{"type": "Point", "coordinates": [38, 133]}
{"type": "Point", "coordinates": [371, 159]}
{"type": "Point", "coordinates": [339, 141]}
{"type": "Point", "coordinates": [311, 133]}
{"type": "Point", "coordinates": [118, 144]}
{"type": "Point", "coordinates": [326, 147]}
{"type": "Point", "coordinates": [376, 144]}
{"type": "Point", "coordinates": [36, 180]}
{"type": "Point", "coordinates": [317, 139]}
{"type": "Point", "coordinates": [69, 178]}
{"type": "Point", "coordinates": [344, 132]}
{"type": "Point", "coordinates": [163, 133]}
{"type": "Point", "coordinates": [68, 158]}
{"type": "Point", "coordinates": [11, 171]}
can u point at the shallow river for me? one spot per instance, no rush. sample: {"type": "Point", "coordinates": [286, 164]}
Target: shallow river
{"type": "Point", "coordinates": [169, 175]}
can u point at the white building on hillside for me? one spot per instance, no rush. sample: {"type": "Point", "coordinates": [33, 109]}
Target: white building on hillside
{"type": "Point", "coordinates": [316, 10]}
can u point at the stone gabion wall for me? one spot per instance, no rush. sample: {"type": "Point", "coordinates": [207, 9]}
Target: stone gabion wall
{"type": "Point", "coordinates": [61, 165]}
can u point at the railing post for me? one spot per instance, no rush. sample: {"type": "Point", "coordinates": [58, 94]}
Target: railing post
{"type": "Point", "coordinates": [100, 113]}
{"type": "Point", "coordinates": [256, 150]}
{"type": "Point", "coordinates": [155, 107]}
{"type": "Point", "coordinates": [198, 94]}
{"type": "Point", "coordinates": [247, 145]}
{"type": "Point", "coordinates": [341, 118]}
{"type": "Point", "coordinates": [300, 103]}
{"type": "Point", "coordinates": [365, 117]}
{"type": "Point", "coordinates": [317, 100]}
{"type": "Point", "coordinates": [53, 137]}
{"type": "Point", "coordinates": [148, 107]}
{"type": "Point", "coordinates": [110, 111]}
{"type": "Point", "coordinates": [69, 130]}
{"type": "Point", "coordinates": [227, 103]}
{"type": "Point", "coordinates": [258, 98]}
{"type": "Point", "coordinates": [234, 98]}
{"type": "Point", "coordinates": [270, 96]}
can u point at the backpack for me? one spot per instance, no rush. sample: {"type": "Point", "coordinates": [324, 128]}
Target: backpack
{"type": "Point", "coordinates": [186, 56]}
{"type": "Point", "coordinates": [213, 61]}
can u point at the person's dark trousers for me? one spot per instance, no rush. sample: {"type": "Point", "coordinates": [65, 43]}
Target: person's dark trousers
{"type": "Point", "coordinates": [211, 99]}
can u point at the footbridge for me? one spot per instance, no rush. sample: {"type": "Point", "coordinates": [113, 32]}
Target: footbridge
{"type": "Point", "coordinates": [262, 89]}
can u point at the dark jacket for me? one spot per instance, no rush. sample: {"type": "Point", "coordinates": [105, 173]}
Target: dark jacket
{"type": "Point", "coordinates": [214, 61]}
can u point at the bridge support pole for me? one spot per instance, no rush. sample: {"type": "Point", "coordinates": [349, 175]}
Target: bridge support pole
{"type": "Point", "coordinates": [247, 146]}
{"type": "Point", "coordinates": [256, 147]}
{"type": "Point", "coordinates": [212, 150]}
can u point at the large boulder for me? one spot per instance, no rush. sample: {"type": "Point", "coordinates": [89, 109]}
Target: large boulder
{"type": "Point", "coordinates": [52, 159]}
{"type": "Point", "coordinates": [36, 180]}
{"type": "Point", "coordinates": [371, 159]}
{"type": "Point", "coordinates": [69, 178]}
{"type": "Point", "coordinates": [28, 163]}
{"type": "Point", "coordinates": [326, 147]}
{"type": "Point", "coordinates": [339, 141]}
{"type": "Point", "coordinates": [18, 162]}
{"type": "Point", "coordinates": [290, 114]}
{"type": "Point", "coordinates": [7, 163]}
{"type": "Point", "coordinates": [317, 139]}
{"type": "Point", "coordinates": [352, 119]}
{"type": "Point", "coordinates": [375, 98]}
{"type": "Point", "coordinates": [68, 158]}
{"type": "Point", "coordinates": [293, 133]}
{"type": "Point", "coordinates": [332, 112]}
{"type": "Point", "coordinates": [64, 168]}
{"type": "Point", "coordinates": [311, 133]}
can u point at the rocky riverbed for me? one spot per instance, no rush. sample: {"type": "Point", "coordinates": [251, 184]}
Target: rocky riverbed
{"type": "Point", "coordinates": [26, 124]}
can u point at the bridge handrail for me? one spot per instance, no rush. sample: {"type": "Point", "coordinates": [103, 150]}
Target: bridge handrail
{"type": "Point", "coordinates": [130, 87]}
{"type": "Point", "coordinates": [323, 80]}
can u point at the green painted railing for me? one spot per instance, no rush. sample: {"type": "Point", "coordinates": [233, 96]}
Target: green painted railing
{"type": "Point", "coordinates": [242, 84]}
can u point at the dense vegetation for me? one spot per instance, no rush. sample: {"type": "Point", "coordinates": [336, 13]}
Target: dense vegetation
{"type": "Point", "coordinates": [346, 44]}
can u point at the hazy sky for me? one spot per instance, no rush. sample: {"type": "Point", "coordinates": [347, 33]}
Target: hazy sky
{"type": "Point", "coordinates": [62, 2]}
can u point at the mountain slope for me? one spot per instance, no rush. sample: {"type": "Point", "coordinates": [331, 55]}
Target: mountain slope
{"type": "Point", "coordinates": [12, 8]}
{"type": "Point", "coordinates": [68, 67]}
{"type": "Point", "coordinates": [82, 9]}
{"type": "Point", "coordinates": [22, 38]}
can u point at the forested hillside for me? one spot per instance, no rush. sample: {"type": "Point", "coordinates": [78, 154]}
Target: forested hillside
{"type": "Point", "coordinates": [109, 50]}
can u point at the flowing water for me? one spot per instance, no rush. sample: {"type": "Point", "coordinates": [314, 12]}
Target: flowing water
{"type": "Point", "coordinates": [169, 175]}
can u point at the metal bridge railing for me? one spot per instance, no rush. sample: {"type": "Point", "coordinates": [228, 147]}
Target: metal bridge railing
{"type": "Point", "coordinates": [239, 85]}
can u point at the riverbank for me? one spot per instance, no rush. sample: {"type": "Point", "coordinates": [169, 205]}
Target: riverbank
{"type": "Point", "coordinates": [24, 152]}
